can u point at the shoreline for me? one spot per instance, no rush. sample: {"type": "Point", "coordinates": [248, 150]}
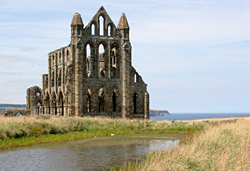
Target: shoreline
{"type": "Point", "coordinates": [58, 129]}
{"type": "Point", "coordinates": [26, 131]}
{"type": "Point", "coordinates": [176, 117]}
{"type": "Point", "coordinates": [224, 146]}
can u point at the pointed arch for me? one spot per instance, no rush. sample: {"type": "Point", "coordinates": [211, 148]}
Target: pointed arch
{"type": "Point", "coordinates": [114, 57]}
{"type": "Point", "coordinates": [39, 104]}
{"type": "Point", "coordinates": [89, 46]}
{"type": "Point", "coordinates": [102, 90]}
{"type": "Point", "coordinates": [110, 29]}
{"type": "Point", "coordinates": [93, 28]}
{"type": "Point", "coordinates": [101, 99]}
{"type": "Point", "coordinates": [101, 21]}
{"type": "Point", "coordinates": [135, 78]}
{"type": "Point", "coordinates": [47, 103]}
{"type": "Point", "coordinates": [102, 62]}
{"type": "Point", "coordinates": [88, 68]}
{"type": "Point", "coordinates": [61, 104]}
{"type": "Point", "coordinates": [88, 50]}
{"type": "Point", "coordinates": [101, 102]}
{"type": "Point", "coordinates": [102, 73]}
{"type": "Point", "coordinates": [89, 96]}
{"type": "Point", "coordinates": [101, 48]}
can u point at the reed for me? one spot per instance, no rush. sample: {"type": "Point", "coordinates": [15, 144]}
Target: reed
{"type": "Point", "coordinates": [24, 131]}
{"type": "Point", "coordinates": [224, 146]}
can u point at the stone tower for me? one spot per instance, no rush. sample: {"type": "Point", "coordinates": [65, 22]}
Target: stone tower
{"type": "Point", "coordinates": [93, 75]}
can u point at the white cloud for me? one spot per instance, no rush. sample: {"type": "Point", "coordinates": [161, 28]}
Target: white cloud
{"type": "Point", "coordinates": [189, 52]}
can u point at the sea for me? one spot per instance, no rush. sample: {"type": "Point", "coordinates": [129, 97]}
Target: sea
{"type": "Point", "coordinates": [194, 116]}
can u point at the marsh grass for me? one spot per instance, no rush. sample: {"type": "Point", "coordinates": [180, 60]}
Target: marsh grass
{"type": "Point", "coordinates": [23, 131]}
{"type": "Point", "coordinates": [219, 147]}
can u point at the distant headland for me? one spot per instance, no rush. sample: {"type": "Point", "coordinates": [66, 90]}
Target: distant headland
{"type": "Point", "coordinates": [156, 113]}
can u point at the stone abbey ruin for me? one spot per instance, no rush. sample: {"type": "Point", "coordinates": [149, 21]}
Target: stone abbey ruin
{"type": "Point", "coordinates": [93, 75]}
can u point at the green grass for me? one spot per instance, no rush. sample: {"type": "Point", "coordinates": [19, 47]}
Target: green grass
{"type": "Point", "coordinates": [56, 129]}
{"type": "Point", "coordinates": [180, 123]}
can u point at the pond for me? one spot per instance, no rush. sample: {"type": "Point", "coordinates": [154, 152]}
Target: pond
{"type": "Point", "coordinates": [87, 154]}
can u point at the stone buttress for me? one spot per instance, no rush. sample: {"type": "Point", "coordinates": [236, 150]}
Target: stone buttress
{"type": "Point", "coordinates": [93, 75]}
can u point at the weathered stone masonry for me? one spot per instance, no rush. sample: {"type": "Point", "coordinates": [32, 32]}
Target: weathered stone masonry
{"type": "Point", "coordinates": [93, 75]}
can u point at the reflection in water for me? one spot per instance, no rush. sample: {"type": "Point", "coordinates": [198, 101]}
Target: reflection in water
{"type": "Point", "coordinates": [86, 154]}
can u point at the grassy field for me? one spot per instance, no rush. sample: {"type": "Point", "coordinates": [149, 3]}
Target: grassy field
{"type": "Point", "coordinates": [222, 146]}
{"type": "Point", "coordinates": [211, 144]}
{"type": "Point", "coordinates": [24, 131]}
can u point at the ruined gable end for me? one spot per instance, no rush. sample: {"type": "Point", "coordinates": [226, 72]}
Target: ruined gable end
{"type": "Point", "coordinates": [93, 75]}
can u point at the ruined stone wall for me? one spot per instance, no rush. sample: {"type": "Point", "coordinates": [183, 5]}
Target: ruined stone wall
{"type": "Point", "coordinates": [138, 89]}
{"type": "Point", "coordinates": [34, 99]}
{"type": "Point", "coordinates": [15, 112]}
{"type": "Point", "coordinates": [83, 81]}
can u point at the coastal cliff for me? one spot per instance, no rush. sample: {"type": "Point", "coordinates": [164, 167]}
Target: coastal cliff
{"type": "Point", "coordinates": [156, 113]}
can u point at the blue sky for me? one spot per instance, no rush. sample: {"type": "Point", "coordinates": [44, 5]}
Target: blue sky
{"type": "Point", "coordinates": [193, 54]}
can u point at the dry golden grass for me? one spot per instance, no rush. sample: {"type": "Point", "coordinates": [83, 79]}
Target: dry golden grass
{"type": "Point", "coordinates": [56, 119]}
{"type": "Point", "coordinates": [221, 147]}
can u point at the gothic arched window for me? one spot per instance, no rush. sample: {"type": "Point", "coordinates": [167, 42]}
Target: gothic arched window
{"type": "Point", "coordinates": [101, 26]}
{"type": "Point", "coordinates": [101, 102]}
{"type": "Point", "coordinates": [88, 60]}
{"type": "Point", "coordinates": [109, 30]}
{"type": "Point", "coordinates": [135, 78]}
{"type": "Point", "coordinates": [93, 29]}
{"type": "Point", "coordinates": [101, 49]}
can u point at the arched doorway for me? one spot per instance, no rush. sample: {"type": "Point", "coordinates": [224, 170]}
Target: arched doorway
{"type": "Point", "coordinates": [38, 107]}
{"type": "Point", "coordinates": [47, 104]}
{"type": "Point", "coordinates": [101, 102]}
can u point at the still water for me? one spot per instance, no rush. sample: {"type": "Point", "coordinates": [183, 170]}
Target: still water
{"type": "Point", "coordinates": [87, 154]}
